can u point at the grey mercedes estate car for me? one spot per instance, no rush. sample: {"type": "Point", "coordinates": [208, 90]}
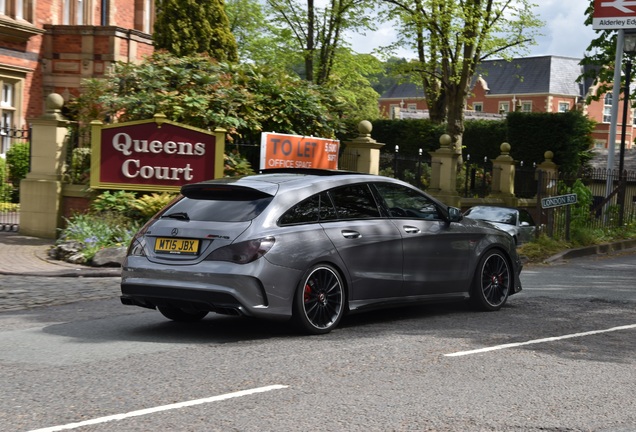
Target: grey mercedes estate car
{"type": "Point", "coordinates": [311, 247]}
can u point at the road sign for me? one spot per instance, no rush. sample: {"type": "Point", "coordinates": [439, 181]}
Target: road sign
{"type": "Point", "coordinates": [614, 14]}
{"type": "Point", "coordinates": [558, 201]}
{"type": "Point", "coordinates": [294, 151]}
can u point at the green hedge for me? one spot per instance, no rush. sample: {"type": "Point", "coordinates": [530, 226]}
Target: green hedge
{"type": "Point", "coordinates": [567, 135]}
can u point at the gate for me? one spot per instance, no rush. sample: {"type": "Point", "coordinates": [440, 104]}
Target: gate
{"type": "Point", "coordinates": [9, 193]}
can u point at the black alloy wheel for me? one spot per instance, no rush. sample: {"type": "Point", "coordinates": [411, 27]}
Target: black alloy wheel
{"type": "Point", "coordinates": [492, 282]}
{"type": "Point", "coordinates": [320, 300]}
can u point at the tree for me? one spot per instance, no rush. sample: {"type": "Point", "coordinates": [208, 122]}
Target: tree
{"type": "Point", "coordinates": [451, 37]}
{"type": "Point", "coordinates": [598, 61]}
{"type": "Point", "coordinates": [245, 99]}
{"type": "Point", "coordinates": [259, 40]}
{"type": "Point", "coordinates": [186, 27]}
{"type": "Point", "coordinates": [318, 32]}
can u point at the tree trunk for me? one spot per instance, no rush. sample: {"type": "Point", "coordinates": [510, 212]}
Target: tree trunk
{"type": "Point", "coordinates": [456, 98]}
{"type": "Point", "coordinates": [309, 52]}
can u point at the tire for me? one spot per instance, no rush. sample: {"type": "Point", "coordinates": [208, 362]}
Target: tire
{"type": "Point", "coordinates": [182, 315]}
{"type": "Point", "coordinates": [319, 302]}
{"type": "Point", "coordinates": [492, 282]}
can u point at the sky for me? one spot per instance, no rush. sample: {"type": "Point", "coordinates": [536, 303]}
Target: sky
{"type": "Point", "coordinates": [564, 34]}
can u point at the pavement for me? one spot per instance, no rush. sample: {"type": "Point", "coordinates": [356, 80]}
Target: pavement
{"type": "Point", "coordinates": [28, 256]}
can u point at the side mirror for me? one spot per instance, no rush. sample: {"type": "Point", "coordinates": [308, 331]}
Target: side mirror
{"type": "Point", "coordinates": [454, 214]}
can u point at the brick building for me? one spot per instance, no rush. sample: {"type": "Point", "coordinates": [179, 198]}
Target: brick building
{"type": "Point", "coordinates": [532, 84]}
{"type": "Point", "coordinates": [49, 46]}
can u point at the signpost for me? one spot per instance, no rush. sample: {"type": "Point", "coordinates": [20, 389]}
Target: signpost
{"type": "Point", "coordinates": [558, 201]}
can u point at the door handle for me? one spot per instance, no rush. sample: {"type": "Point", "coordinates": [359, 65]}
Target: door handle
{"type": "Point", "coordinates": [411, 229]}
{"type": "Point", "coordinates": [351, 234]}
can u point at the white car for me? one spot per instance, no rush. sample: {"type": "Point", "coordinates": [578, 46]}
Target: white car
{"type": "Point", "coordinates": [516, 222]}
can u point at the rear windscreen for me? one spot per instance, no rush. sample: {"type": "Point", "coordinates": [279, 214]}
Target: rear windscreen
{"type": "Point", "coordinates": [219, 210]}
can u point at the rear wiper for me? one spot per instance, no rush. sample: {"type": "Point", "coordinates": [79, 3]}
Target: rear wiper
{"type": "Point", "coordinates": [179, 215]}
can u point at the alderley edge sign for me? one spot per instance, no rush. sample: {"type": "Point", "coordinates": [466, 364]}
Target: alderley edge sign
{"type": "Point", "coordinates": [614, 14]}
{"type": "Point", "coordinates": [154, 155]}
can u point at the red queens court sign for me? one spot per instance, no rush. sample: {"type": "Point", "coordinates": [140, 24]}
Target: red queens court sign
{"type": "Point", "coordinates": [154, 155]}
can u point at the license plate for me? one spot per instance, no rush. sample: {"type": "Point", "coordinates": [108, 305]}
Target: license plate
{"type": "Point", "coordinates": [176, 246]}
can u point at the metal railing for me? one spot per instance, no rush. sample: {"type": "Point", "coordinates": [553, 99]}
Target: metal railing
{"type": "Point", "coordinates": [9, 192]}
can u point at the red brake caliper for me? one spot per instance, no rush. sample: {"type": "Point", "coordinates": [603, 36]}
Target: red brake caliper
{"type": "Point", "coordinates": [307, 293]}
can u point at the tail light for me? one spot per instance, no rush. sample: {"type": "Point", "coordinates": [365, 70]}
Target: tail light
{"type": "Point", "coordinates": [243, 252]}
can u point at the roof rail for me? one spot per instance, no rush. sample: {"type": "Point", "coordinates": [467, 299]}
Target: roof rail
{"type": "Point", "coordinates": [307, 171]}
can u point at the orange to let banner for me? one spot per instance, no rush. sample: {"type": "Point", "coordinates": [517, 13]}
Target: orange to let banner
{"type": "Point", "coordinates": [294, 151]}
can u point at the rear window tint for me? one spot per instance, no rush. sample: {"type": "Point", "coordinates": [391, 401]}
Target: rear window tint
{"type": "Point", "coordinates": [354, 202]}
{"type": "Point", "coordinates": [314, 209]}
{"type": "Point", "coordinates": [233, 209]}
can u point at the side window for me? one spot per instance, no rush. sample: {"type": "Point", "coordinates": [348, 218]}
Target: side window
{"type": "Point", "coordinates": [524, 216]}
{"type": "Point", "coordinates": [354, 202]}
{"type": "Point", "coordinates": [313, 209]}
{"type": "Point", "coordinates": [404, 202]}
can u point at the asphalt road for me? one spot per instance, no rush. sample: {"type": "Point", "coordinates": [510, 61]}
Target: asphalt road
{"type": "Point", "coordinates": [558, 357]}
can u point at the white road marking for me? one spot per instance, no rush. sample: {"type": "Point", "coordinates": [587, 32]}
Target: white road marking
{"type": "Point", "coordinates": [538, 341]}
{"type": "Point", "coordinates": [160, 408]}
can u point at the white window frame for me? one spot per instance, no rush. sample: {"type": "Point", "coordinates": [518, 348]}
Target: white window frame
{"type": "Point", "coordinates": [478, 106]}
{"type": "Point", "coordinates": [77, 12]}
{"type": "Point", "coordinates": [7, 114]}
{"type": "Point", "coordinates": [564, 107]}
{"type": "Point", "coordinates": [607, 107]}
{"type": "Point", "coordinates": [10, 102]}
{"type": "Point", "coordinates": [504, 107]}
{"type": "Point", "coordinates": [526, 106]}
{"type": "Point", "coordinates": [17, 9]}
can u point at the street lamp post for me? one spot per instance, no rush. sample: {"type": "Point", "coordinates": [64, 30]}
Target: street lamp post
{"type": "Point", "coordinates": [629, 48]}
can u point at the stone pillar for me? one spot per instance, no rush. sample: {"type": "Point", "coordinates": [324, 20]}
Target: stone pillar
{"type": "Point", "coordinates": [548, 175]}
{"type": "Point", "coordinates": [503, 177]}
{"type": "Point", "coordinates": [444, 173]}
{"type": "Point", "coordinates": [41, 190]}
{"type": "Point", "coordinates": [362, 154]}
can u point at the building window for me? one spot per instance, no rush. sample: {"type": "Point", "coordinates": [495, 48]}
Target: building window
{"type": "Point", "coordinates": [478, 106]}
{"type": "Point", "coordinates": [504, 107]}
{"type": "Point", "coordinates": [564, 107]}
{"type": "Point", "coordinates": [77, 12]}
{"type": "Point", "coordinates": [7, 110]}
{"type": "Point", "coordinates": [17, 9]}
{"type": "Point", "coordinates": [411, 107]}
{"type": "Point", "coordinates": [526, 107]}
{"type": "Point", "coordinates": [607, 108]}
{"type": "Point", "coordinates": [144, 15]}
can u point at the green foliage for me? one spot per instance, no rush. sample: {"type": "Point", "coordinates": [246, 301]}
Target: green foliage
{"type": "Point", "coordinates": [236, 165]}
{"type": "Point", "coordinates": [568, 135]}
{"type": "Point", "coordinates": [148, 205]}
{"type": "Point", "coordinates": [244, 99]}
{"type": "Point", "coordinates": [79, 171]}
{"type": "Point", "coordinates": [6, 188]}
{"type": "Point", "coordinates": [113, 202]}
{"type": "Point", "coordinates": [17, 165]}
{"type": "Point", "coordinates": [18, 162]}
{"type": "Point", "coordinates": [409, 135]}
{"type": "Point", "coordinates": [98, 231]}
{"type": "Point", "coordinates": [6, 207]}
{"type": "Point", "coordinates": [187, 27]}
{"type": "Point", "coordinates": [542, 248]}
{"type": "Point", "coordinates": [483, 138]}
